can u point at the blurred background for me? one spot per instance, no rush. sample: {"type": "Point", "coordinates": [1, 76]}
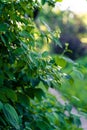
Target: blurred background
{"type": "Point", "coordinates": [67, 23]}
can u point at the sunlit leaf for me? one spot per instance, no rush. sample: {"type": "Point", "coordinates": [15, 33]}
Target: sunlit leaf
{"type": "Point", "coordinates": [58, 0]}
{"type": "Point", "coordinates": [60, 61]}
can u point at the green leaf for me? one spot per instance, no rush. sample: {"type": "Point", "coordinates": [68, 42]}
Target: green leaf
{"type": "Point", "coordinates": [43, 2]}
{"type": "Point", "coordinates": [44, 125]}
{"type": "Point", "coordinates": [53, 117]}
{"type": "Point", "coordinates": [69, 78]}
{"type": "Point", "coordinates": [79, 74]}
{"type": "Point", "coordinates": [3, 97]}
{"type": "Point", "coordinates": [57, 42]}
{"type": "Point", "coordinates": [35, 92]}
{"type": "Point", "coordinates": [1, 78]}
{"type": "Point", "coordinates": [60, 61]}
{"type": "Point", "coordinates": [2, 121]}
{"type": "Point", "coordinates": [11, 115]}
{"type": "Point", "coordinates": [35, 81]}
{"type": "Point", "coordinates": [68, 60]}
{"type": "Point", "coordinates": [68, 107]}
{"type": "Point", "coordinates": [39, 93]}
{"type": "Point", "coordinates": [75, 98]}
{"type": "Point", "coordinates": [11, 94]}
{"type": "Point", "coordinates": [3, 39]}
{"type": "Point", "coordinates": [25, 34]}
{"type": "Point", "coordinates": [30, 92]}
{"type": "Point", "coordinates": [23, 99]}
{"type": "Point", "coordinates": [45, 54]}
{"type": "Point", "coordinates": [3, 27]}
{"type": "Point", "coordinates": [8, 94]}
{"type": "Point", "coordinates": [58, 0]}
{"type": "Point", "coordinates": [1, 105]}
{"type": "Point", "coordinates": [19, 51]}
{"type": "Point", "coordinates": [76, 120]}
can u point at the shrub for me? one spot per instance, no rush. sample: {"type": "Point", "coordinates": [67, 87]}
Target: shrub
{"type": "Point", "coordinates": [26, 74]}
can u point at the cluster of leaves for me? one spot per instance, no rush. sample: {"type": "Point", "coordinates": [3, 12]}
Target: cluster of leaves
{"type": "Point", "coordinates": [77, 93]}
{"type": "Point", "coordinates": [72, 29]}
{"type": "Point", "coordinates": [24, 73]}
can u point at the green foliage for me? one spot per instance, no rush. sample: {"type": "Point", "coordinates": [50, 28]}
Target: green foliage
{"type": "Point", "coordinates": [11, 115]}
{"type": "Point", "coordinates": [75, 91]}
{"type": "Point", "coordinates": [52, 2]}
{"type": "Point", "coordinates": [26, 74]}
{"type": "Point", "coordinates": [71, 28]}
